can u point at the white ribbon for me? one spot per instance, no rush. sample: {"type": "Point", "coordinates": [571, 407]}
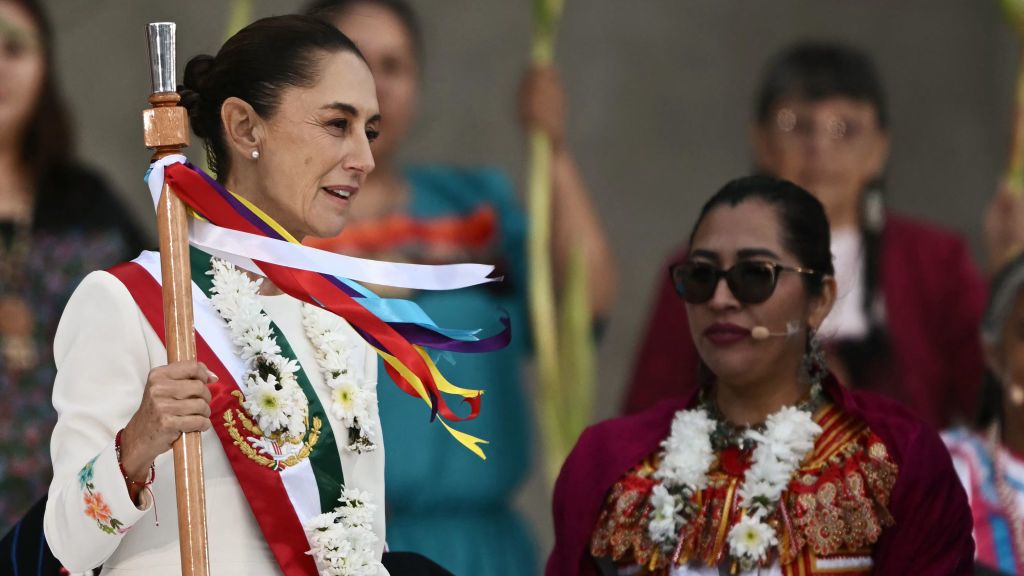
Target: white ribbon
{"type": "Point", "coordinates": [241, 248]}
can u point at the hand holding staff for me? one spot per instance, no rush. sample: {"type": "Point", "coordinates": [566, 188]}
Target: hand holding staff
{"type": "Point", "coordinates": [166, 132]}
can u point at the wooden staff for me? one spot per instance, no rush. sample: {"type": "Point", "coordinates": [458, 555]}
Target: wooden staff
{"type": "Point", "coordinates": [165, 128]}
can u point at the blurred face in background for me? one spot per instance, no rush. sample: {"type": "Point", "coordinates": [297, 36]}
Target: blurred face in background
{"type": "Point", "coordinates": [1006, 360]}
{"type": "Point", "coordinates": [22, 68]}
{"type": "Point", "coordinates": [390, 50]}
{"type": "Point", "coordinates": [832, 147]}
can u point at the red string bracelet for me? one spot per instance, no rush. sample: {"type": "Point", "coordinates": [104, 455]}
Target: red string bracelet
{"type": "Point", "coordinates": [132, 483]}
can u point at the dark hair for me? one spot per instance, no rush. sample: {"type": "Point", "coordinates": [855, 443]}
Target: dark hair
{"type": "Point", "coordinates": [1006, 288]}
{"type": "Point", "coordinates": [255, 65]}
{"type": "Point", "coordinates": [331, 10]}
{"type": "Point", "coordinates": [819, 70]}
{"type": "Point", "coordinates": [49, 138]}
{"type": "Point", "coordinates": [802, 220]}
{"type": "Point", "coordinates": [815, 71]}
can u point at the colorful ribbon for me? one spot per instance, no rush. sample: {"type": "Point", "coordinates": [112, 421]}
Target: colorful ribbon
{"type": "Point", "coordinates": [397, 329]}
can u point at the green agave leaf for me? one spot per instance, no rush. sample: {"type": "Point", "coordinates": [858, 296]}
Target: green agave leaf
{"type": "Point", "coordinates": [578, 355]}
{"type": "Point", "coordinates": [1014, 11]}
{"type": "Point", "coordinates": [239, 16]}
{"type": "Point", "coordinates": [546, 14]}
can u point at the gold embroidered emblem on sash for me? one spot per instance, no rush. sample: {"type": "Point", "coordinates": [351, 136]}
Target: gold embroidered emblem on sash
{"type": "Point", "coordinates": [271, 451]}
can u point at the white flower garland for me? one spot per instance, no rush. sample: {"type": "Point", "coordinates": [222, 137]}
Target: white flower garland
{"type": "Point", "coordinates": [353, 396]}
{"type": "Point", "coordinates": [271, 392]}
{"type": "Point", "coordinates": [788, 436]}
{"type": "Point", "coordinates": [342, 541]}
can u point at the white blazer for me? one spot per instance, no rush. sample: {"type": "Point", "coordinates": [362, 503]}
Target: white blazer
{"type": "Point", "coordinates": [104, 350]}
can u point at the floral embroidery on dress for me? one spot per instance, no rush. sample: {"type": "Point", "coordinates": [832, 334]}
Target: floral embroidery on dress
{"type": "Point", "coordinates": [95, 506]}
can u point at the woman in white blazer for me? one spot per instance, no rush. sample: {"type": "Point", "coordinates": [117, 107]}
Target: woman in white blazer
{"type": "Point", "coordinates": [293, 454]}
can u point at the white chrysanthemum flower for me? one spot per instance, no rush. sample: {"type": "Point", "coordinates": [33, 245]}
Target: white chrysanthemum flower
{"type": "Point", "coordinates": [752, 491]}
{"type": "Point", "coordinates": [665, 518]}
{"type": "Point", "coordinates": [346, 399]}
{"type": "Point", "coordinates": [793, 429]}
{"type": "Point", "coordinates": [767, 477]}
{"type": "Point", "coordinates": [321, 522]}
{"type": "Point", "coordinates": [296, 425]}
{"type": "Point", "coordinates": [254, 348]}
{"type": "Point", "coordinates": [355, 497]}
{"type": "Point", "coordinates": [287, 368]}
{"type": "Point", "coordinates": [688, 452]}
{"type": "Point", "coordinates": [269, 407]}
{"type": "Point", "coordinates": [335, 358]}
{"type": "Point", "coordinates": [751, 538]}
{"type": "Point", "coordinates": [360, 516]}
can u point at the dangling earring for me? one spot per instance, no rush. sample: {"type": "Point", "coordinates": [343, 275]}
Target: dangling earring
{"type": "Point", "coordinates": [813, 364]}
{"type": "Point", "coordinates": [873, 208]}
{"type": "Point", "coordinates": [255, 154]}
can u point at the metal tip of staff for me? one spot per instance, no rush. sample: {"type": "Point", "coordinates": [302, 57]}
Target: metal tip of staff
{"type": "Point", "coordinates": [161, 55]}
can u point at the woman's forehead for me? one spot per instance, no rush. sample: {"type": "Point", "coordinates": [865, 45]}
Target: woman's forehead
{"type": "Point", "coordinates": [344, 79]}
{"type": "Point", "coordinates": [726, 230]}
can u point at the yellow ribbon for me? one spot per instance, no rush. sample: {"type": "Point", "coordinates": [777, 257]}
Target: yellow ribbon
{"type": "Point", "coordinates": [443, 385]}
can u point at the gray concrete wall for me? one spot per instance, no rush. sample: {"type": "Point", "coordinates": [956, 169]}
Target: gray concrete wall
{"type": "Point", "coordinates": [660, 94]}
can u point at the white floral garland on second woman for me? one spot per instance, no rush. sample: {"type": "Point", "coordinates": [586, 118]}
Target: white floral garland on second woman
{"type": "Point", "coordinates": [788, 436]}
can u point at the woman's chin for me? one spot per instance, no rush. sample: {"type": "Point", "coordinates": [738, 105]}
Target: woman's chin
{"type": "Point", "coordinates": [730, 368]}
{"type": "Point", "coordinates": [326, 229]}
{"type": "Point", "coordinates": [735, 357]}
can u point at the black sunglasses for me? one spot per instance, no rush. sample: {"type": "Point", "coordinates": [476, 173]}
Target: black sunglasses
{"type": "Point", "coordinates": [750, 281]}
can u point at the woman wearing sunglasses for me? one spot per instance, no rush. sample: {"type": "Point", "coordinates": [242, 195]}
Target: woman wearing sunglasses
{"type": "Point", "coordinates": [771, 466]}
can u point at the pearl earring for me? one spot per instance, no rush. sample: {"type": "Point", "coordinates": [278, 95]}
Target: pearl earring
{"type": "Point", "coordinates": [255, 154]}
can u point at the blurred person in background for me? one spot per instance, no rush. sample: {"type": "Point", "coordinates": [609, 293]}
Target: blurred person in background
{"type": "Point", "coordinates": [58, 221]}
{"type": "Point", "coordinates": [990, 458]}
{"type": "Point", "coordinates": [910, 297]}
{"type": "Point", "coordinates": [443, 501]}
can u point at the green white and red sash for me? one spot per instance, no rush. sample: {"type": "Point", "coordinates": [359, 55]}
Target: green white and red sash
{"type": "Point", "coordinates": [281, 501]}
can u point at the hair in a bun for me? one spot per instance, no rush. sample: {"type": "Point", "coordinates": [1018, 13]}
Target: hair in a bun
{"type": "Point", "coordinates": [191, 92]}
{"type": "Point", "coordinates": [254, 65]}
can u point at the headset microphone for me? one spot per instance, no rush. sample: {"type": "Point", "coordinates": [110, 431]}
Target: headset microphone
{"type": "Point", "coordinates": [763, 333]}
